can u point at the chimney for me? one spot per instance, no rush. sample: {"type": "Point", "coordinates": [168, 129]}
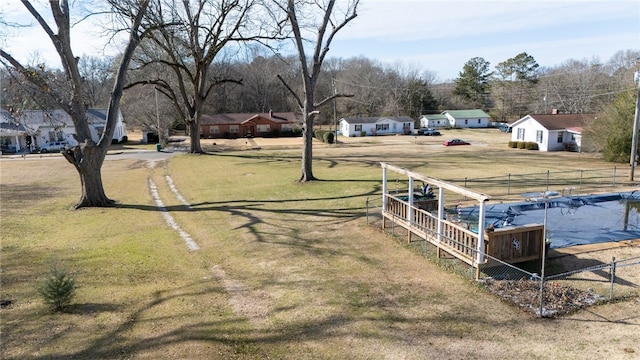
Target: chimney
{"type": "Point", "coordinates": [554, 111]}
{"type": "Point", "coordinates": [271, 114]}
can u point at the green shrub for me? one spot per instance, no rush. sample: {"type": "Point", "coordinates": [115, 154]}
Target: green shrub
{"type": "Point", "coordinates": [319, 134]}
{"type": "Point", "coordinates": [363, 133]}
{"type": "Point", "coordinates": [531, 146]}
{"type": "Point", "coordinates": [522, 144]}
{"type": "Point", "coordinates": [58, 289]}
{"type": "Point", "coordinates": [513, 144]}
{"type": "Point", "coordinates": [125, 139]}
{"type": "Point", "coordinates": [328, 137]}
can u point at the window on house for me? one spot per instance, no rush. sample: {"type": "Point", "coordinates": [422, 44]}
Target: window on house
{"type": "Point", "coordinates": [479, 122]}
{"type": "Point", "coordinates": [382, 127]}
{"type": "Point", "coordinates": [56, 135]}
{"type": "Point", "coordinates": [214, 129]}
{"type": "Point", "coordinates": [234, 129]}
{"type": "Point", "coordinates": [358, 127]}
{"type": "Point", "coordinates": [466, 122]}
{"type": "Point", "coordinates": [520, 133]}
{"type": "Point", "coordinates": [560, 137]}
{"type": "Point", "coordinates": [263, 128]}
{"type": "Point", "coordinates": [539, 136]}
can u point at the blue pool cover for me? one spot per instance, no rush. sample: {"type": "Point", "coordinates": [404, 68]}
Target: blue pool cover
{"type": "Point", "coordinates": [571, 220]}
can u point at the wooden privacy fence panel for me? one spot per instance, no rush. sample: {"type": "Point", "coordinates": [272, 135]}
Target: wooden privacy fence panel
{"type": "Point", "coordinates": [515, 244]}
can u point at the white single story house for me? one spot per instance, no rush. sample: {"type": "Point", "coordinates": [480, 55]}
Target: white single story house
{"type": "Point", "coordinates": [434, 121]}
{"type": "Point", "coordinates": [12, 134]}
{"type": "Point", "coordinates": [475, 118]}
{"type": "Point", "coordinates": [39, 127]}
{"type": "Point", "coordinates": [552, 132]}
{"type": "Point", "coordinates": [369, 126]}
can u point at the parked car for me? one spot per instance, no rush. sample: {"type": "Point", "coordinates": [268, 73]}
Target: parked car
{"type": "Point", "coordinates": [504, 128]}
{"type": "Point", "coordinates": [428, 132]}
{"type": "Point", "coordinates": [454, 142]}
{"type": "Point", "coordinates": [53, 146]}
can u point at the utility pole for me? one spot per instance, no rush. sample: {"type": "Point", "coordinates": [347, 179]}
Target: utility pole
{"type": "Point", "coordinates": [634, 138]}
{"type": "Point", "coordinates": [335, 113]}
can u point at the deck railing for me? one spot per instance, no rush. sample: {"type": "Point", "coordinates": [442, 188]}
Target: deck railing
{"type": "Point", "coordinates": [513, 244]}
{"type": "Point", "coordinates": [455, 239]}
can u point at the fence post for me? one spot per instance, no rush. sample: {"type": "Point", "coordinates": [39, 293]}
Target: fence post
{"type": "Point", "coordinates": [613, 276]}
{"type": "Point", "coordinates": [509, 184]}
{"type": "Point", "coordinates": [548, 174]}
{"type": "Point", "coordinates": [367, 211]}
{"type": "Point", "coordinates": [581, 175]}
{"type": "Point", "coordinates": [614, 176]}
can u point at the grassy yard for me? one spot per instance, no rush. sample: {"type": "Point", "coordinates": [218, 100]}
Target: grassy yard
{"type": "Point", "coordinates": [284, 270]}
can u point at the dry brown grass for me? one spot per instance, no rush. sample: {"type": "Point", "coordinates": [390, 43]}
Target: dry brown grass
{"type": "Point", "coordinates": [284, 270]}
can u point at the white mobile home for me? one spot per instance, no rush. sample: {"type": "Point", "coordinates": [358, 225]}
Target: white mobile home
{"type": "Point", "coordinates": [434, 121]}
{"type": "Point", "coordinates": [371, 126]}
{"type": "Point", "coordinates": [467, 118]}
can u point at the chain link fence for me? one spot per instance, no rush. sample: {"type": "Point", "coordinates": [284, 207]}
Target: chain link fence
{"type": "Point", "coordinates": [562, 291]}
{"type": "Point", "coordinates": [571, 181]}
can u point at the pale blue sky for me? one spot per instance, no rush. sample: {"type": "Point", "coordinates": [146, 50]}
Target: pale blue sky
{"type": "Point", "coordinates": [435, 35]}
{"type": "Point", "coordinates": [441, 36]}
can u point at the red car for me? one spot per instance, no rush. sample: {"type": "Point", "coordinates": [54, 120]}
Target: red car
{"type": "Point", "coordinates": [454, 142]}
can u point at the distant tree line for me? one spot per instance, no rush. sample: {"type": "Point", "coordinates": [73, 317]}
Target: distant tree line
{"type": "Point", "coordinates": [514, 88]}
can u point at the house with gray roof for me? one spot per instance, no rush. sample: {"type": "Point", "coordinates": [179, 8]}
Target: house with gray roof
{"type": "Point", "coordinates": [474, 118]}
{"type": "Point", "coordinates": [552, 132]}
{"type": "Point", "coordinates": [37, 128]}
{"type": "Point", "coordinates": [371, 126]}
{"type": "Point", "coordinates": [11, 133]}
{"type": "Point", "coordinates": [434, 121]}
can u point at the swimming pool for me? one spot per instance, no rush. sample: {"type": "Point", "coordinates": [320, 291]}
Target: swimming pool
{"type": "Point", "coordinates": [571, 220]}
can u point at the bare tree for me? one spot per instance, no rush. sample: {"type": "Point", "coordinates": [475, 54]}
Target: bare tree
{"type": "Point", "coordinates": [328, 25]}
{"type": "Point", "coordinates": [88, 156]}
{"type": "Point", "coordinates": [98, 78]}
{"type": "Point", "coordinates": [188, 37]}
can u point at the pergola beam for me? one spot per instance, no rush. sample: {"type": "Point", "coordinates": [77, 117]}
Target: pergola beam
{"type": "Point", "coordinates": [435, 182]}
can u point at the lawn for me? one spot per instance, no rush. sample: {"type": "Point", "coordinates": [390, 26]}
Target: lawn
{"type": "Point", "coordinates": [284, 270]}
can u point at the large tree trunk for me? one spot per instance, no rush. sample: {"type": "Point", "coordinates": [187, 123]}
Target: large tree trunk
{"type": "Point", "coordinates": [194, 136]}
{"type": "Point", "coordinates": [88, 159]}
{"type": "Point", "coordinates": [307, 152]}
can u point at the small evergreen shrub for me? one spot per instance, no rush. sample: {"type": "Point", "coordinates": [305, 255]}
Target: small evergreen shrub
{"type": "Point", "coordinates": [328, 137]}
{"type": "Point", "coordinates": [522, 144]}
{"type": "Point", "coordinates": [363, 133]}
{"type": "Point", "coordinates": [531, 146]}
{"type": "Point", "coordinates": [513, 144]}
{"type": "Point", "coordinates": [125, 139]}
{"type": "Point", "coordinates": [58, 289]}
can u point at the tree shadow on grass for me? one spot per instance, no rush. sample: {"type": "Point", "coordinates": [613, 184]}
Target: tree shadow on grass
{"type": "Point", "coordinates": [148, 330]}
{"type": "Point", "coordinates": [91, 308]}
{"type": "Point", "coordinates": [27, 193]}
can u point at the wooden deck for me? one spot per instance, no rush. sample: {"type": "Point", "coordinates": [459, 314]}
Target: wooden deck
{"type": "Point", "coordinates": [426, 218]}
{"type": "Point", "coordinates": [510, 244]}
{"type": "Point", "coordinates": [452, 238]}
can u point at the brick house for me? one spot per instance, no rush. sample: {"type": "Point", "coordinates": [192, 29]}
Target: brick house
{"type": "Point", "coordinates": [269, 124]}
